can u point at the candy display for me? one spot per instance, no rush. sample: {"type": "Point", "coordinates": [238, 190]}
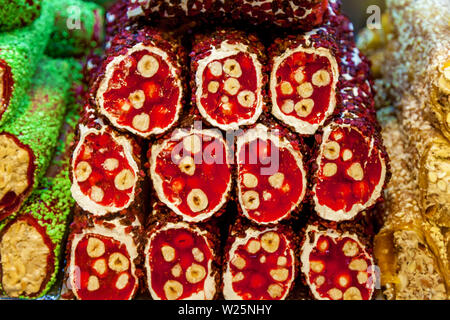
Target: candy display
{"type": "Point", "coordinates": [140, 87]}
{"type": "Point", "coordinates": [227, 71]}
{"type": "Point", "coordinates": [224, 150]}
{"type": "Point", "coordinates": [260, 263]}
{"type": "Point", "coordinates": [30, 270]}
{"type": "Point", "coordinates": [25, 143]}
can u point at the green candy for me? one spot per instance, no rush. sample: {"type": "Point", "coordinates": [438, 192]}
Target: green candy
{"type": "Point", "coordinates": [20, 52]}
{"type": "Point", "coordinates": [51, 204]}
{"type": "Point", "coordinates": [18, 13]}
{"type": "Point", "coordinates": [39, 121]}
{"type": "Point", "coordinates": [79, 27]}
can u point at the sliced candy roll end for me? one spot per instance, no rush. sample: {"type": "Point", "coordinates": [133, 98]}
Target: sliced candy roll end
{"type": "Point", "coordinates": [141, 90]}
{"type": "Point", "coordinates": [27, 258]}
{"type": "Point", "coordinates": [104, 172]}
{"type": "Point", "coordinates": [303, 87]}
{"type": "Point", "coordinates": [180, 263]}
{"type": "Point", "coordinates": [229, 81]}
{"type": "Point", "coordinates": [337, 266]}
{"type": "Point", "coordinates": [191, 173]}
{"type": "Point", "coordinates": [351, 172]}
{"type": "Point", "coordinates": [260, 266]}
{"type": "Point", "coordinates": [6, 84]}
{"type": "Point", "coordinates": [102, 264]}
{"type": "Point", "coordinates": [17, 176]}
{"type": "Point", "coordinates": [270, 169]}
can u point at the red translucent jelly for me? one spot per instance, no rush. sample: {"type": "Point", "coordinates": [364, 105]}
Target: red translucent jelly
{"type": "Point", "coordinates": [178, 260]}
{"type": "Point", "coordinates": [195, 183]}
{"type": "Point", "coordinates": [304, 86]}
{"type": "Point", "coordinates": [6, 86]}
{"type": "Point", "coordinates": [341, 269]}
{"type": "Point", "coordinates": [143, 96]}
{"type": "Point", "coordinates": [110, 180]}
{"type": "Point", "coordinates": [262, 268]}
{"type": "Point", "coordinates": [104, 271]}
{"type": "Point", "coordinates": [359, 170]}
{"type": "Point", "coordinates": [279, 189]}
{"type": "Point", "coordinates": [230, 96]}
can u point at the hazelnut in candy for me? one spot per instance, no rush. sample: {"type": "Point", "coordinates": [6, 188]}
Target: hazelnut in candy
{"type": "Point", "coordinates": [259, 265]}
{"type": "Point", "coordinates": [191, 173]}
{"type": "Point", "coordinates": [105, 167]}
{"type": "Point", "coordinates": [303, 78]}
{"type": "Point", "coordinates": [271, 174]}
{"type": "Point", "coordinates": [227, 78]}
{"type": "Point", "coordinates": [101, 261]}
{"type": "Point", "coordinates": [181, 262]}
{"type": "Point", "coordinates": [140, 88]}
{"type": "Point", "coordinates": [337, 265]}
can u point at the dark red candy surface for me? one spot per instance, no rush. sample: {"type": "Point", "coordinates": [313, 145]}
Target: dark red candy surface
{"type": "Point", "coordinates": [223, 106]}
{"type": "Point", "coordinates": [107, 280]}
{"type": "Point", "coordinates": [210, 173]}
{"type": "Point", "coordinates": [341, 269]}
{"type": "Point", "coordinates": [99, 150]}
{"type": "Point", "coordinates": [298, 70]}
{"type": "Point", "coordinates": [274, 174]}
{"type": "Point", "coordinates": [183, 248]}
{"type": "Point", "coordinates": [262, 267]}
{"type": "Point", "coordinates": [159, 94]}
{"type": "Point", "coordinates": [345, 188]}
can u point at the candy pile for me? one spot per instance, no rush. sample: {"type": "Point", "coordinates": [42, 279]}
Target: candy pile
{"type": "Point", "coordinates": [39, 110]}
{"type": "Point", "coordinates": [225, 150]}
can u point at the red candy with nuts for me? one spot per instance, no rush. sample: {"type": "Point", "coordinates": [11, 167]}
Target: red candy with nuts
{"type": "Point", "coordinates": [337, 266]}
{"type": "Point", "coordinates": [191, 174]}
{"type": "Point", "coordinates": [178, 263]}
{"type": "Point", "coordinates": [260, 267]}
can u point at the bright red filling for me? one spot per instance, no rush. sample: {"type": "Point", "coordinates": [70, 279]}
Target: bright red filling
{"type": "Point", "coordinates": [96, 149]}
{"type": "Point", "coordinates": [161, 94]}
{"type": "Point", "coordinates": [222, 106]}
{"type": "Point", "coordinates": [255, 281]}
{"type": "Point", "coordinates": [108, 280]}
{"type": "Point", "coordinates": [307, 64]}
{"type": "Point", "coordinates": [336, 273]}
{"type": "Point", "coordinates": [276, 200]}
{"type": "Point", "coordinates": [189, 248]}
{"type": "Point", "coordinates": [211, 175]}
{"type": "Point", "coordinates": [341, 191]}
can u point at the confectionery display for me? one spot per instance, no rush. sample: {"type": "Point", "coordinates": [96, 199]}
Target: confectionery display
{"type": "Point", "coordinates": [223, 150]}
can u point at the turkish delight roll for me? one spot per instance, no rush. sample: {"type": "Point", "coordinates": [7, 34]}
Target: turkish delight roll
{"type": "Point", "coordinates": [228, 78]}
{"type": "Point", "coordinates": [103, 259]}
{"type": "Point", "coordinates": [272, 174]}
{"type": "Point", "coordinates": [260, 263]}
{"type": "Point", "coordinates": [182, 261]}
{"type": "Point", "coordinates": [31, 242]}
{"type": "Point", "coordinates": [16, 14]}
{"type": "Point", "coordinates": [141, 85]}
{"type": "Point", "coordinates": [191, 172]}
{"type": "Point", "coordinates": [410, 251]}
{"type": "Point", "coordinates": [337, 263]}
{"type": "Point", "coordinates": [107, 177]}
{"type": "Point", "coordinates": [26, 146]}
{"type": "Point", "coordinates": [78, 28]}
{"type": "Point", "coordinates": [304, 74]}
{"type": "Point", "coordinates": [20, 53]}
